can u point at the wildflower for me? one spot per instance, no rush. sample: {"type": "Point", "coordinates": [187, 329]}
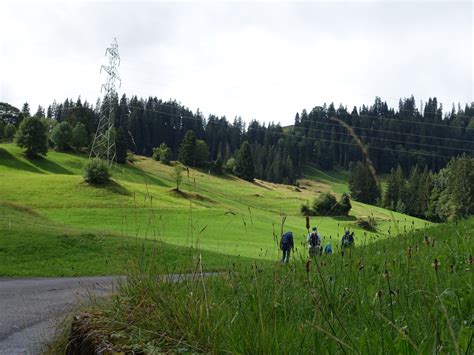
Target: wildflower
{"type": "Point", "coordinates": [386, 274]}
{"type": "Point", "coordinates": [360, 265]}
{"type": "Point", "coordinates": [436, 264]}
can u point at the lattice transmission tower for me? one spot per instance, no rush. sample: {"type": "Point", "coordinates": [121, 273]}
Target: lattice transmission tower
{"type": "Point", "coordinates": [103, 145]}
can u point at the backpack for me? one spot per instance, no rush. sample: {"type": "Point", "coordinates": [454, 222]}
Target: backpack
{"type": "Point", "coordinates": [313, 240]}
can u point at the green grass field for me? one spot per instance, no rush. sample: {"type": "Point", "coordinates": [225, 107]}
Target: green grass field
{"type": "Point", "coordinates": [53, 223]}
{"type": "Point", "coordinates": [409, 294]}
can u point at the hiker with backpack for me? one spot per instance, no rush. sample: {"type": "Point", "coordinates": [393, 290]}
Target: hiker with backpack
{"type": "Point", "coordinates": [328, 249]}
{"type": "Point", "coordinates": [286, 245]}
{"type": "Point", "coordinates": [314, 243]}
{"type": "Point", "coordinates": [347, 239]}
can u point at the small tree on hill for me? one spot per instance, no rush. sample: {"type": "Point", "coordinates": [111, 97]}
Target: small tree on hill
{"type": "Point", "coordinates": [33, 137]}
{"type": "Point", "coordinates": [165, 153]}
{"type": "Point", "coordinates": [177, 175]}
{"type": "Point", "coordinates": [244, 167]}
{"type": "Point", "coordinates": [187, 149]}
{"type": "Point", "coordinates": [80, 138]}
{"type": "Point", "coordinates": [9, 132]}
{"type": "Point", "coordinates": [120, 145]}
{"type": "Point", "coordinates": [61, 136]}
{"type": "Point", "coordinates": [201, 153]}
{"type": "Point", "coordinates": [362, 184]}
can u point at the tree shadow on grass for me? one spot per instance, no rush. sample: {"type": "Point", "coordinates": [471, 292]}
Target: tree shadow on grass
{"type": "Point", "coordinates": [10, 161]}
{"type": "Point", "coordinates": [345, 218]}
{"type": "Point", "coordinates": [112, 186]}
{"type": "Point", "coordinates": [137, 175]}
{"type": "Point", "coordinates": [49, 166]}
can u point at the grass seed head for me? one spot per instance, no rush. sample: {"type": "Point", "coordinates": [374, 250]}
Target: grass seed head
{"type": "Point", "coordinates": [386, 274]}
{"type": "Point", "coordinates": [436, 264]}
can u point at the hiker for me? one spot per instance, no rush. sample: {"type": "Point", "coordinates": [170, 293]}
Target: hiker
{"type": "Point", "coordinates": [328, 249]}
{"type": "Point", "coordinates": [347, 239]}
{"type": "Point", "coordinates": [286, 244]}
{"type": "Point", "coordinates": [314, 243]}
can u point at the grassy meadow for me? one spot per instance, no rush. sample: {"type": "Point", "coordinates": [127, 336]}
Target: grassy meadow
{"type": "Point", "coordinates": [50, 218]}
{"type": "Point", "coordinates": [410, 294]}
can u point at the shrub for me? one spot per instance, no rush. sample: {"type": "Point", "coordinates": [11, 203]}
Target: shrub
{"type": "Point", "coordinates": [156, 154]}
{"type": "Point", "coordinates": [97, 171]}
{"type": "Point", "coordinates": [369, 224]}
{"type": "Point", "coordinates": [327, 205]}
{"type": "Point", "coordinates": [131, 158]}
{"type": "Point", "coordinates": [163, 153]}
{"type": "Point", "coordinates": [230, 165]}
{"type": "Point", "coordinates": [32, 136]}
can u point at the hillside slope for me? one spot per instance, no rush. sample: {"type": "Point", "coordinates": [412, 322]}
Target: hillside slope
{"type": "Point", "coordinates": [223, 215]}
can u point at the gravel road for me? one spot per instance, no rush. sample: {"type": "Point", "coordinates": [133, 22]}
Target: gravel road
{"type": "Point", "coordinates": [30, 308]}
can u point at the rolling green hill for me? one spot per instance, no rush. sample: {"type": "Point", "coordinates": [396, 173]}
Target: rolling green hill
{"type": "Point", "coordinates": [48, 212]}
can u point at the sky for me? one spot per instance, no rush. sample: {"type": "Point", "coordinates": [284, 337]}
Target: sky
{"type": "Point", "coordinates": [259, 60]}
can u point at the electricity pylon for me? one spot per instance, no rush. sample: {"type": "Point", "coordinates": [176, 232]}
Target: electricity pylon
{"type": "Point", "coordinates": [103, 145]}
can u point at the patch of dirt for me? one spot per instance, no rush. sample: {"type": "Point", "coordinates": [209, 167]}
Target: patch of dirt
{"type": "Point", "coordinates": [191, 196]}
{"type": "Point", "coordinates": [21, 208]}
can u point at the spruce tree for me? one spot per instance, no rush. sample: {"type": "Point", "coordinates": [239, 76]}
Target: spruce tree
{"type": "Point", "coordinates": [244, 167]}
{"type": "Point", "coordinates": [33, 137]}
{"type": "Point", "coordinates": [362, 184]}
{"type": "Point", "coordinates": [187, 149]}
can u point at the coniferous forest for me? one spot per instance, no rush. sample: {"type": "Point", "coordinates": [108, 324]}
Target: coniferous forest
{"type": "Point", "coordinates": [410, 143]}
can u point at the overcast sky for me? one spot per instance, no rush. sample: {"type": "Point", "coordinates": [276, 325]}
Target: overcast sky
{"type": "Point", "coordinates": [264, 60]}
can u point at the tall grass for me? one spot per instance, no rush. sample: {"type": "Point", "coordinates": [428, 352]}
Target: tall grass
{"type": "Point", "coordinates": [407, 294]}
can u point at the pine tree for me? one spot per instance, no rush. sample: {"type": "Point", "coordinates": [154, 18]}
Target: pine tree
{"type": "Point", "coordinates": [33, 137]}
{"type": "Point", "coordinates": [244, 167]}
{"type": "Point", "coordinates": [362, 184]}
{"type": "Point", "coordinates": [187, 149]}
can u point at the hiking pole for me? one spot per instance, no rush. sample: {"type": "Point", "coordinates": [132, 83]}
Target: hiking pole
{"type": "Point", "coordinates": [307, 223]}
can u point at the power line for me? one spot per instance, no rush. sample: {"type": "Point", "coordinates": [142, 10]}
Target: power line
{"type": "Point", "coordinates": [292, 135]}
{"type": "Point", "coordinates": [181, 116]}
{"type": "Point", "coordinates": [385, 131]}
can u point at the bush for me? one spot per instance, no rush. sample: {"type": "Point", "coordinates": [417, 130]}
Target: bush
{"type": "Point", "coordinates": [131, 158]}
{"type": "Point", "coordinates": [97, 172]}
{"type": "Point", "coordinates": [230, 165]}
{"type": "Point", "coordinates": [368, 224]}
{"type": "Point", "coordinates": [327, 205]}
{"type": "Point", "coordinates": [156, 154]}
{"type": "Point", "coordinates": [163, 153]}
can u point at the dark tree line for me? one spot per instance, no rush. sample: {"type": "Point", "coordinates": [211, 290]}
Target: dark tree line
{"type": "Point", "coordinates": [408, 136]}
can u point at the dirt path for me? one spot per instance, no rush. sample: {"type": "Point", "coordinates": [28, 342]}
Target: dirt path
{"type": "Point", "coordinates": [30, 308]}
